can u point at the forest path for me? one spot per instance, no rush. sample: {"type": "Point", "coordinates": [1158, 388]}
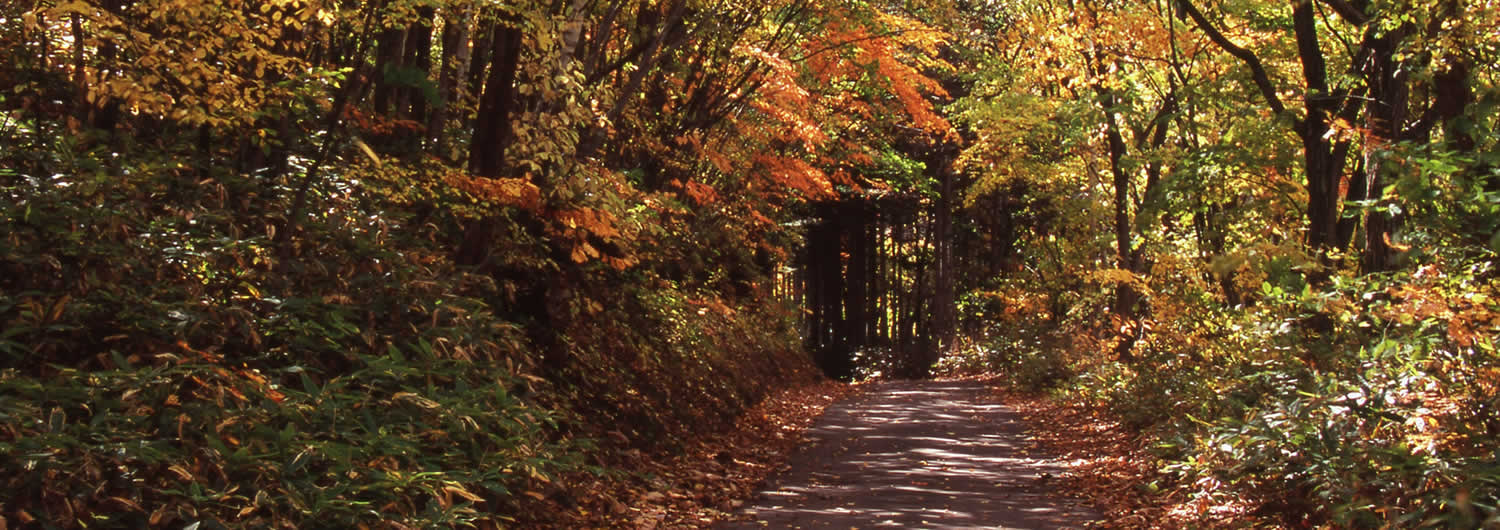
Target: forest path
{"type": "Point", "coordinates": [916, 454]}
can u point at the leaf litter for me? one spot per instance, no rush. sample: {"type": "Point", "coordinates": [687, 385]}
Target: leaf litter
{"type": "Point", "coordinates": [696, 483]}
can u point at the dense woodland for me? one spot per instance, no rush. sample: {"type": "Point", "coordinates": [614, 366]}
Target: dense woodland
{"type": "Point", "coordinates": [413, 263]}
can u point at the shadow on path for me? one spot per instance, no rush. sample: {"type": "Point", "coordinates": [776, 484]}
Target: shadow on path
{"type": "Point", "coordinates": [915, 454]}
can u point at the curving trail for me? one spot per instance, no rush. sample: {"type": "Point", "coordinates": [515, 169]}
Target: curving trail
{"type": "Point", "coordinates": [916, 454]}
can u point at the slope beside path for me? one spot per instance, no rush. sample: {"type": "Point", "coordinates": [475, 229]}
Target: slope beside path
{"type": "Point", "coordinates": [916, 454]}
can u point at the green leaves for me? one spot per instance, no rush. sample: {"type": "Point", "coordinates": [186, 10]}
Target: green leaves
{"type": "Point", "coordinates": [304, 455]}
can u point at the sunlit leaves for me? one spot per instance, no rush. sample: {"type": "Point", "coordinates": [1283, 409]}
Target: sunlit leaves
{"type": "Point", "coordinates": [502, 192]}
{"type": "Point", "coordinates": [216, 63]}
{"type": "Point", "coordinates": [795, 174]}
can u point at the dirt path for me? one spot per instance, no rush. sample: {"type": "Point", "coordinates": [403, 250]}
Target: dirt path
{"type": "Point", "coordinates": [915, 454]}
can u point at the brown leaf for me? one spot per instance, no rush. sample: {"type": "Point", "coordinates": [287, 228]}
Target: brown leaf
{"type": "Point", "coordinates": [128, 504]}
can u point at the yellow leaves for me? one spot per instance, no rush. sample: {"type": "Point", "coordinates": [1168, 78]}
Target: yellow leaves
{"type": "Point", "coordinates": [1110, 277]}
{"type": "Point", "coordinates": [323, 16]}
{"type": "Point", "coordinates": [913, 34]}
{"type": "Point", "coordinates": [29, 21]}
{"type": "Point", "coordinates": [188, 61]}
{"type": "Point", "coordinates": [1014, 304]}
{"type": "Point", "coordinates": [75, 7]}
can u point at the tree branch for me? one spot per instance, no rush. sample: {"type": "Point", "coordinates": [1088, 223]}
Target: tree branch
{"type": "Point", "coordinates": [1350, 12]}
{"type": "Point", "coordinates": [1257, 70]}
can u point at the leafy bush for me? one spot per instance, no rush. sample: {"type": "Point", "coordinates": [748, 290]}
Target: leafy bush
{"type": "Point", "coordinates": [1380, 436]}
{"type": "Point", "coordinates": [191, 439]}
{"type": "Point", "coordinates": [659, 363]}
{"type": "Point", "coordinates": [168, 360]}
{"type": "Point", "coordinates": [163, 363]}
{"type": "Point", "coordinates": [1368, 402]}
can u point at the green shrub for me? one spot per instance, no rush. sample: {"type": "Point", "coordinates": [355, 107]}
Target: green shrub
{"type": "Point", "coordinates": [185, 439]}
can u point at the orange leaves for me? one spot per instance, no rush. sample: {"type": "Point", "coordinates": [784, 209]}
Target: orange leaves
{"type": "Point", "coordinates": [796, 174]}
{"type": "Point", "coordinates": [583, 229]}
{"type": "Point", "coordinates": [589, 220]}
{"type": "Point", "coordinates": [221, 381]}
{"type": "Point", "coordinates": [807, 117]}
{"type": "Point", "coordinates": [896, 50]}
{"type": "Point", "coordinates": [1471, 314]}
{"type": "Point", "coordinates": [376, 124]}
{"type": "Point", "coordinates": [715, 157]}
{"type": "Point", "coordinates": [701, 194]}
{"type": "Point", "coordinates": [783, 98]}
{"type": "Point", "coordinates": [1473, 323]}
{"type": "Point", "coordinates": [586, 233]}
{"type": "Point", "coordinates": [517, 192]}
{"type": "Point", "coordinates": [906, 82]}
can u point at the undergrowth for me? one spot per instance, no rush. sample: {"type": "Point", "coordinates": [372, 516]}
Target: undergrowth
{"type": "Point", "coordinates": [1369, 403]}
{"type": "Point", "coordinates": [172, 356]}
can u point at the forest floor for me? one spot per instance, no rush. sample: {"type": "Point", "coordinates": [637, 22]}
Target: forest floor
{"type": "Point", "coordinates": [699, 482]}
{"type": "Point", "coordinates": [944, 454]}
{"type": "Point", "coordinates": [932, 454]}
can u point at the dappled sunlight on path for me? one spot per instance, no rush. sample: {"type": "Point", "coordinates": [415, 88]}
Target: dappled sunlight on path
{"type": "Point", "coordinates": [926, 454]}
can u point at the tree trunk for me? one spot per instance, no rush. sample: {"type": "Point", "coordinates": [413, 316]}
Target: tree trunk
{"type": "Point", "coordinates": [419, 56]}
{"type": "Point", "coordinates": [492, 134]}
{"type": "Point", "coordinates": [921, 317]}
{"type": "Point", "coordinates": [857, 218]}
{"type": "Point", "coordinates": [872, 272]}
{"type": "Point", "coordinates": [1384, 119]}
{"type": "Point", "coordinates": [1323, 170]}
{"type": "Point", "coordinates": [944, 311]}
{"type": "Point", "coordinates": [1125, 295]}
{"type": "Point", "coordinates": [388, 57]}
{"type": "Point", "coordinates": [590, 143]}
{"type": "Point", "coordinates": [454, 67]}
{"type": "Point", "coordinates": [484, 45]}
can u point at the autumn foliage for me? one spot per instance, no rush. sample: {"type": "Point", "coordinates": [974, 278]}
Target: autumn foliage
{"type": "Point", "coordinates": [1252, 233]}
{"type": "Point", "coordinates": [412, 263]}
{"type": "Point", "coordinates": [408, 264]}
